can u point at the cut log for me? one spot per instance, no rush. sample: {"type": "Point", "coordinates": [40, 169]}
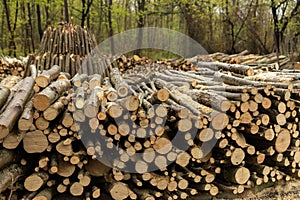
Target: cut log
{"type": "Point", "coordinates": [119, 191]}
{"type": "Point", "coordinates": [4, 94]}
{"type": "Point", "coordinates": [44, 79]}
{"type": "Point", "coordinates": [13, 140]}
{"type": "Point", "coordinates": [123, 89]}
{"type": "Point", "coordinates": [26, 119]}
{"type": "Point", "coordinates": [237, 175]}
{"type": "Point", "coordinates": [46, 194]}
{"type": "Point", "coordinates": [35, 181]}
{"type": "Point", "coordinates": [282, 141]}
{"type": "Point", "coordinates": [76, 189]}
{"type": "Point", "coordinates": [239, 69]}
{"type": "Point", "coordinates": [16, 106]}
{"type": "Point", "coordinates": [54, 110]}
{"type": "Point", "coordinates": [35, 142]}
{"type": "Point", "coordinates": [65, 169]}
{"type": "Point", "coordinates": [91, 106]}
{"type": "Point", "coordinates": [51, 93]}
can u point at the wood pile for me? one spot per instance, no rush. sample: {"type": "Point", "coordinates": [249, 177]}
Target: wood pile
{"type": "Point", "coordinates": [266, 62]}
{"type": "Point", "coordinates": [66, 45]}
{"type": "Point", "coordinates": [52, 128]}
{"type": "Point", "coordinates": [12, 66]}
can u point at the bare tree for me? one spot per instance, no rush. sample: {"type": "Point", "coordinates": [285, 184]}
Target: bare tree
{"type": "Point", "coordinates": [66, 10]}
{"type": "Point", "coordinates": [11, 28]}
{"type": "Point", "coordinates": [141, 23]}
{"type": "Point", "coordinates": [86, 5]}
{"type": "Point", "coordinates": [110, 25]}
{"type": "Point", "coordinates": [281, 19]}
{"type": "Point", "coordinates": [39, 20]}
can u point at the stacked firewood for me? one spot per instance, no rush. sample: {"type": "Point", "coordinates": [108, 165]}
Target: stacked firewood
{"type": "Point", "coordinates": [128, 64]}
{"type": "Point", "coordinates": [53, 128]}
{"type": "Point", "coordinates": [66, 45]}
{"type": "Point", "coordinates": [269, 62]}
{"type": "Point", "coordinates": [12, 66]}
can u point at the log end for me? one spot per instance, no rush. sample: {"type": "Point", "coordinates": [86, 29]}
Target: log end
{"type": "Point", "coordinates": [119, 191]}
{"type": "Point", "coordinates": [242, 175]}
{"type": "Point", "coordinates": [163, 95]}
{"type": "Point", "coordinates": [42, 81]}
{"type": "Point", "coordinates": [282, 141]}
{"type": "Point", "coordinates": [41, 102]}
{"type": "Point", "coordinates": [220, 121]}
{"type": "Point", "coordinates": [4, 131]}
{"type": "Point", "coordinates": [33, 183]}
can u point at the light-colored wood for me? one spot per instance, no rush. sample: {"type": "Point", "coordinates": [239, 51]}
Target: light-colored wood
{"type": "Point", "coordinates": [35, 181]}
{"type": "Point", "coordinates": [45, 78]}
{"type": "Point", "coordinates": [35, 142]}
{"type": "Point", "coordinates": [15, 107]}
{"type": "Point", "coordinates": [47, 96]}
{"type": "Point", "coordinates": [76, 189]}
{"type": "Point", "coordinates": [45, 194]}
{"type": "Point", "coordinates": [119, 191]}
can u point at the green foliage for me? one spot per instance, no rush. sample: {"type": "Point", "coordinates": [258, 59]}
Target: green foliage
{"type": "Point", "coordinates": [218, 25]}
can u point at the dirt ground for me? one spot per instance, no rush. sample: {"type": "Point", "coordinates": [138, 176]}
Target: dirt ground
{"type": "Point", "coordinates": [280, 191]}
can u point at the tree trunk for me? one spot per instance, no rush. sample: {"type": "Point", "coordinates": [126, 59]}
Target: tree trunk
{"type": "Point", "coordinates": [11, 29]}
{"type": "Point", "coordinates": [140, 25]}
{"type": "Point", "coordinates": [30, 25]}
{"type": "Point", "coordinates": [39, 21]}
{"type": "Point", "coordinates": [110, 26]}
{"type": "Point", "coordinates": [85, 10]}
{"type": "Point", "coordinates": [66, 11]}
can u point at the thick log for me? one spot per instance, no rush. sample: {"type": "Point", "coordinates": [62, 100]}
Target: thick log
{"type": "Point", "coordinates": [119, 191]}
{"type": "Point", "coordinates": [65, 148]}
{"type": "Point", "coordinates": [9, 117]}
{"type": "Point", "coordinates": [45, 78]}
{"type": "Point", "coordinates": [35, 142]}
{"type": "Point", "coordinates": [80, 98]}
{"type": "Point", "coordinates": [282, 141]}
{"type": "Point", "coordinates": [76, 189]}
{"type": "Point", "coordinates": [54, 110]}
{"type": "Point", "coordinates": [4, 94]}
{"type": "Point", "coordinates": [238, 175]}
{"type": "Point", "coordinates": [78, 79]}
{"type": "Point", "coordinates": [13, 91]}
{"type": "Point", "coordinates": [216, 66]}
{"type": "Point", "coordinates": [123, 89]}
{"type": "Point", "coordinates": [91, 106]}
{"type": "Point", "coordinates": [65, 169]}
{"type": "Point", "coordinates": [13, 140]}
{"type": "Point", "coordinates": [51, 93]}
{"type": "Point", "coordinates": [46, 194]}
{"type": "Point", "coordinates": [210, 99]}
{"type": "Point", "coordinates": [35, 181]}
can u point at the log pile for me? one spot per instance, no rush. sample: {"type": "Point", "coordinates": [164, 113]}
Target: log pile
{"type": "Point", "coordinates": [53, 128]}
{"type": "Point", "coordinates": [12, 66]}
{"type": "Point", "coordinates": [266, 62]}
{"type": "Point", "coordinates": [66, 45]}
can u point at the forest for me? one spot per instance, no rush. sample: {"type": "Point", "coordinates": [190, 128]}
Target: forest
{"type": "Point", "coordinates": [230, 26]}
{"type": "Point", "coordinates": [143, 123]}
